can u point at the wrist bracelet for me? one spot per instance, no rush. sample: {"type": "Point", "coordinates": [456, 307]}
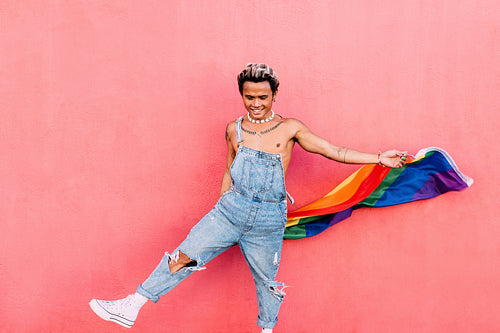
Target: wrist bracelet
{"type": "Point", "coordinates": [379, 158]}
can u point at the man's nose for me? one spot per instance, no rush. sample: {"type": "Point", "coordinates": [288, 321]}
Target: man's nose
{"type": "Point", "coordinates": [256, 102]}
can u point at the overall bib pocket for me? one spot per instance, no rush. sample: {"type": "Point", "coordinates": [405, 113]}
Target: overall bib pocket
{"type": "Point", "coordinates": [257, 176]}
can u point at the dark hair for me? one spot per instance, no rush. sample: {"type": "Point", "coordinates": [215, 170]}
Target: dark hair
{"type": "Point", "coordinates": [258, 73]}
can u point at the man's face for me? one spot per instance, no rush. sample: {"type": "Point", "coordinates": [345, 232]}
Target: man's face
{"type": "Point", "coordinates": [258, 99]}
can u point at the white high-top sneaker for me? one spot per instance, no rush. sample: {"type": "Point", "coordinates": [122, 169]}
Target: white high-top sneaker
{"type": "Point", "coordinates": [267, 330]}
{"type": "Point", "coordinates": [123, 311]}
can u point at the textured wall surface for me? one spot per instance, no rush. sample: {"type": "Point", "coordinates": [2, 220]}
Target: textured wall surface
{"type": "Point", "coordinates": [112, 118]}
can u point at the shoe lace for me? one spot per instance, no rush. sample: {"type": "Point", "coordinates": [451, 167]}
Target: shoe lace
{"type": "Point", "coordinates": [120, 306]}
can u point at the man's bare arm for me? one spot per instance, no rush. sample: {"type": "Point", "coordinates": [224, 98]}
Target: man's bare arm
{"type": "Point", "coordinates": [315, 144]}
{"type": "Point", "coordinates": [226, 179]}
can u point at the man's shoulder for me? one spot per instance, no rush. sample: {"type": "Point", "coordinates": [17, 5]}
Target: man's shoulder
{"type": "Point", "coordinates": [292, 122]}
{"type": "Point", "coordinates": [231, 127]}
{"type": "Point", "coordinates": [233, 122]}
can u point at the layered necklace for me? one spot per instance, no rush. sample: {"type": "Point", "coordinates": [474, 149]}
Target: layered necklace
{"type": "Point", "coordinates": [259, 122]}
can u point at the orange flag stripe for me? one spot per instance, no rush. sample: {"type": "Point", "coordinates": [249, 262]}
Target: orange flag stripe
{"type": "Point", "coordinates": [348, 193]}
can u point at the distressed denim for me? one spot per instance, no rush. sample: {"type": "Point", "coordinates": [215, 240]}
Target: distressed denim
{"type": "Point", "coordinates": [251, 214]}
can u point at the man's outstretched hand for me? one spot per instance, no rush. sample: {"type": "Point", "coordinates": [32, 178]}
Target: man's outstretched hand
{"type": "Point", "coordinates": [393, 158]}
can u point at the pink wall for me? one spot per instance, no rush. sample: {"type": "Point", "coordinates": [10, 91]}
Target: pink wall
{"type": "Point", "coordinates": [112, 147]}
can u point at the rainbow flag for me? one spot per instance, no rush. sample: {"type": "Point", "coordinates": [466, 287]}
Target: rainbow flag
{"type": "Point", "coordinates": [430, 174]}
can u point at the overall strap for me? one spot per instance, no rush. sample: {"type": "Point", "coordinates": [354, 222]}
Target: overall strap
{"type": "Point", "coordinates": [239, 137]}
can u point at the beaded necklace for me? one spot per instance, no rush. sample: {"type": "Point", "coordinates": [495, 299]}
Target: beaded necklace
{"type": "Point", "coordinates": [261, 121]}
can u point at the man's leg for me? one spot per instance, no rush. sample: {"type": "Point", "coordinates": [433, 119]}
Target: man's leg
{"type": "Point", "coordinates": [263, 253]}
{"type": "Point", "coordinates": [211, 236]}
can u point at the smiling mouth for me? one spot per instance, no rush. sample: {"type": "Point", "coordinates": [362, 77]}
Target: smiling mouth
{"type": "Point", "coordinates": [257, 111]}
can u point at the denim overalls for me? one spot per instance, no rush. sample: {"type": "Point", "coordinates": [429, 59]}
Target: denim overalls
{"type": "Point", "coordinates": [252, 214]}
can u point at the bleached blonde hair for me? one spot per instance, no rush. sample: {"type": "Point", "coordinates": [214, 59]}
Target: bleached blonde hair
{"type": "Point", "coordinates": [258, 73]}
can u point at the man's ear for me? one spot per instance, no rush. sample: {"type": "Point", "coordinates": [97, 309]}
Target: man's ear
{"type": "Point", "coordinates": [274, 95]}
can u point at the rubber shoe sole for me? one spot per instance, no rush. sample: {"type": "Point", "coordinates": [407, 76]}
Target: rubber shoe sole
{"type": "Point", "coordinates": [104, 314]}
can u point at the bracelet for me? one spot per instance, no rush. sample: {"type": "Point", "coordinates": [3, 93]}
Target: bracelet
{"type": "Point", "coordinates": [379, 157]}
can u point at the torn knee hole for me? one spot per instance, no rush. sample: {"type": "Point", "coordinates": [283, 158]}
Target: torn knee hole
{"type": "Point", "coordinates": [277, 292]}
{"type": "Point", "coordinates": [180, 257]}
{"type": "Point", "coordinates": [179, 260]}
{"type": "Point", "coordinates": [277, 289]}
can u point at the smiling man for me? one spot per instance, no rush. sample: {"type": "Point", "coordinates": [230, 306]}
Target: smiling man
{"type": "Point", "coordinates": [251, 211]}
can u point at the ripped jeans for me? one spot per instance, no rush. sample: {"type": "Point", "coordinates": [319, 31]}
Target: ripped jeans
{"type": "Point", "coordinates": [259, 236]}
{"type": "Point", "coordinates": [254, 223]}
